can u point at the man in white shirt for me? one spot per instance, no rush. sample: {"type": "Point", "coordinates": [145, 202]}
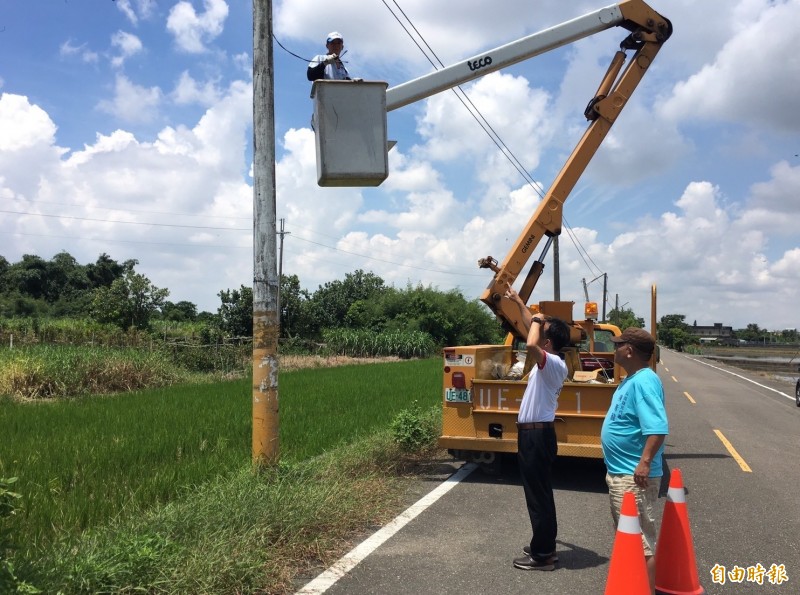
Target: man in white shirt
{"type": "Point", "coordinates": [536, 435]}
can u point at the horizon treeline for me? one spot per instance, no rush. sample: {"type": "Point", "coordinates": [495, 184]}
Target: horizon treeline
{"type": "Point", "coordinates": [109, 291]}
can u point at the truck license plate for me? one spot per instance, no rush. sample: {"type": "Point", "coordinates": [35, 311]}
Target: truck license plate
{"type": "Point", "coordinates": [457, 395]}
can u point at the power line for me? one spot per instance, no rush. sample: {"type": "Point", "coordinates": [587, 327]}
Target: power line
{"type": "Point", "coordinates": [390, 261]}
{"type": "Point", "coordinates": [126, 222]}
{"type": "Point", "coordinates": [472, 109]}
{"type": "Point", "coordinates": [317, 233]}
{"type": "Point", "coordinates": [348, 263]}
{"type": "Point", "coordinates": [84, 206]}
{"type": "Point", "coordinates": [581, 250]}
{"type": "Point", "coordinates": [494, 136]}
{"type": "Point", "coordinates": [118, 241]}
{"type": "Point", "coordinates": [196, 245]}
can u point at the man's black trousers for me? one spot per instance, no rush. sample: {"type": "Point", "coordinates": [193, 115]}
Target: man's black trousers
{"type": "Point", "coordinates": [536, 452]}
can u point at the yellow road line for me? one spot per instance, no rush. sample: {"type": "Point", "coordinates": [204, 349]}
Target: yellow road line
{"type": "Point", "coordinates": [675, 379]}
{"type": "Point", "coordinates": [688, 396]}
{"type": "Point", "coordinates": [745, 467]}
{"type": "Point", "coordinates": [666, 369]}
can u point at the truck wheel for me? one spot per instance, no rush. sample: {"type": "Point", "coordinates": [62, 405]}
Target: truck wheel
{"type": "Point", "coordinates": [488, 462]}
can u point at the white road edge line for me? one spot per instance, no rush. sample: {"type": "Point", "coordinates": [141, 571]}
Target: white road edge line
{"type": "Point", "coordinates": [346, 563]}
{"type": "Point", "coordinates": [738, 376]}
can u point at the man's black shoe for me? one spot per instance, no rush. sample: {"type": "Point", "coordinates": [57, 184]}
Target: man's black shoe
{"type": "Point", "coordinates": [526, 549]}
{"type": "Point", "coordinates": [528, 563]}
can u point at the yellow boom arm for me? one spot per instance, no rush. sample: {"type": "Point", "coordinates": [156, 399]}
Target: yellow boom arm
{"type": "Point", "coordinates": [648, 31]}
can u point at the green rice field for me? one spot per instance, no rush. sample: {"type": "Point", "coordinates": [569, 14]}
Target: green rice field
{"type": "Point", "coordinates": [85, 462]}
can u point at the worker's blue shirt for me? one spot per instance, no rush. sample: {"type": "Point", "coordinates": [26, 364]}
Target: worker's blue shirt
{"type": "Point", "coordinates": [636, 412]}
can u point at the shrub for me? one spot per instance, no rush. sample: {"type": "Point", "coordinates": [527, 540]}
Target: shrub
{"type": "Point", "coordinates": [416, 430]}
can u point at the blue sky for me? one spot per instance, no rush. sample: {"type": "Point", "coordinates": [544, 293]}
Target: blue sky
{"type": "Point", "coordinates": [126, 128]}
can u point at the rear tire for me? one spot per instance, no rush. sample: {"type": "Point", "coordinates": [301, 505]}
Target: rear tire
{"type": "Point", "coordinates": [797, 393]}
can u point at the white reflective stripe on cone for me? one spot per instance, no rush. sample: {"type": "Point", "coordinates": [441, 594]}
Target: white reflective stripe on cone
{"type": "Point", "coordinates": [629, 524]}
{"type": "Point", "coordinates": [676, 495]}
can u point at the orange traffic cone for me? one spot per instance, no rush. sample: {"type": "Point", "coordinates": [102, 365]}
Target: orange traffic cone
{"type": "Point", "coordinates": [676, 569]}
{"type": "Point", "coordinates": [627, 573]}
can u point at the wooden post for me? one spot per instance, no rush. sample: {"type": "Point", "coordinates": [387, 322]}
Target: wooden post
{"type": "Point", "coordinates": [266, 325]}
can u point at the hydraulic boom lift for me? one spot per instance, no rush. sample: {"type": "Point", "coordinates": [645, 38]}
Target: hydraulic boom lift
{"type": "Point", "coordinates": [483, 384]}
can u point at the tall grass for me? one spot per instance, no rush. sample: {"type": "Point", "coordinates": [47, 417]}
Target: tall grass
{"type": "Point", "coordinates": [47, 371]}
{"type": "Point", "coordinates": [366, 343]}
{"type": "Point", "coordinates": [82, 463]}
{"type": "Point", "coordinates": [85, 331]}
{"type": "Point", "coordinates": [67, 331]}
{"type": "Point", "coordinates": [247, 533]}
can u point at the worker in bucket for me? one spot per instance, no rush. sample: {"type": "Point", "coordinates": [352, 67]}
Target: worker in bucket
{"type": "Point", "coordinates": [329, 66]}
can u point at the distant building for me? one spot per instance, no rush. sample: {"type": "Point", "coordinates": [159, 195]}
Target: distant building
{"type": "Point", "coordinates": [713, 334]}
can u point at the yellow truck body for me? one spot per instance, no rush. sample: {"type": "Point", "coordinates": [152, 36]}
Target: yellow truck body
{"type": "Point", "coordinates": [480, 403]}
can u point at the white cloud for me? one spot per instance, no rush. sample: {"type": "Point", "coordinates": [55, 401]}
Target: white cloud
{"type": "Point", "coordinates": [27, 136]}
{"type": "Point", "coordinates": [742, 80]}
{"type": "Point", "coordinates": [144, 8]}
{"type": "Point", "coordinates": [131, 102]}
{"type": "Point", "coordinates": [190, 177]}
{"type": "Point", "coordinates": [192, 30]}
{"type": "Point", "coordinates": [22, 125]}
{"type": "Point", "coordinates": [773, 205]}
{"type": "Point", "coordinates": [67, 49]}
{"type": "Point", "coordinates": [787, 267]}
{"type": "Point", "coordinates": [188, 90]}
{"type": "Point", "coordinates": [127, 44]}
{"type": "Point", "coordinates": [125, 8]}
{"type": "Point", "coordinates": [515, 110]}
{"type": "Point", "coordinates": [781, 194]}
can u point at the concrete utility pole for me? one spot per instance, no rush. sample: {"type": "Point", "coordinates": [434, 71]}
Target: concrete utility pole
{"type": "Point", "coordinates": [605, 290]}
{"type": "Point", "coordinates": [281, 233]}
{"type": "Point", "coordinates": [266, 325]}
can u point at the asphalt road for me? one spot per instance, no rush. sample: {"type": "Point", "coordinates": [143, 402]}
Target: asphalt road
{"type": "Point", "coordinates": [465, 541]}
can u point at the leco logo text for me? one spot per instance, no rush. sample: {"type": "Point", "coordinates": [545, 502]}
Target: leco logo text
{"type": "Point", "coordinates": [476, 64]}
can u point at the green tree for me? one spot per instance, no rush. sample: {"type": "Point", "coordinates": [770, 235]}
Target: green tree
{"type": "Point", "coordinates": [362, 301]}
{"type": "Point", "coordinates": [4, 266]}
{"type": "Point", "coordinates": [28, 277]}
{"type": "Point", "coordinates": [447, 317]}
{"type": "Point", "coordinates": [14, 304]}
{"type": "Point", "coordinates": [625, 318]}
{"type": "Point", "coordinates": [106, 270]}
{"type": "Point", "coordinates": [63, 277]}
{"type": "Point", "coordinates": [58, 287]}
{"type": "Point", "coordinates": [236, 312]}
{"type": "Point", "coordinates": [753, 333]}
{"type": "Point", "coordinates": [293, 304]}
{"type": "Point", "coordinates": [67, 286]}
{"type": "Point", "coordinates": [367, 315]}
{"type": "Point", "coordinates": [331, 302]}
{"type": "Point", "coordinates": [183, 311]}
{"type": "Point", "coordinates": [130, 301]}
{"type": "Point", "coordinates": [674, 332]}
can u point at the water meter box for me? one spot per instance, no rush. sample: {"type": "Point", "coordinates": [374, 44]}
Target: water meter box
{"type": "Point", "coordinates": [350, 124]}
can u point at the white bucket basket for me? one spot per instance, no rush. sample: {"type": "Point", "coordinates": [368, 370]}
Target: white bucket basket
{"type": "Point", "coordinates": [350, 123]}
